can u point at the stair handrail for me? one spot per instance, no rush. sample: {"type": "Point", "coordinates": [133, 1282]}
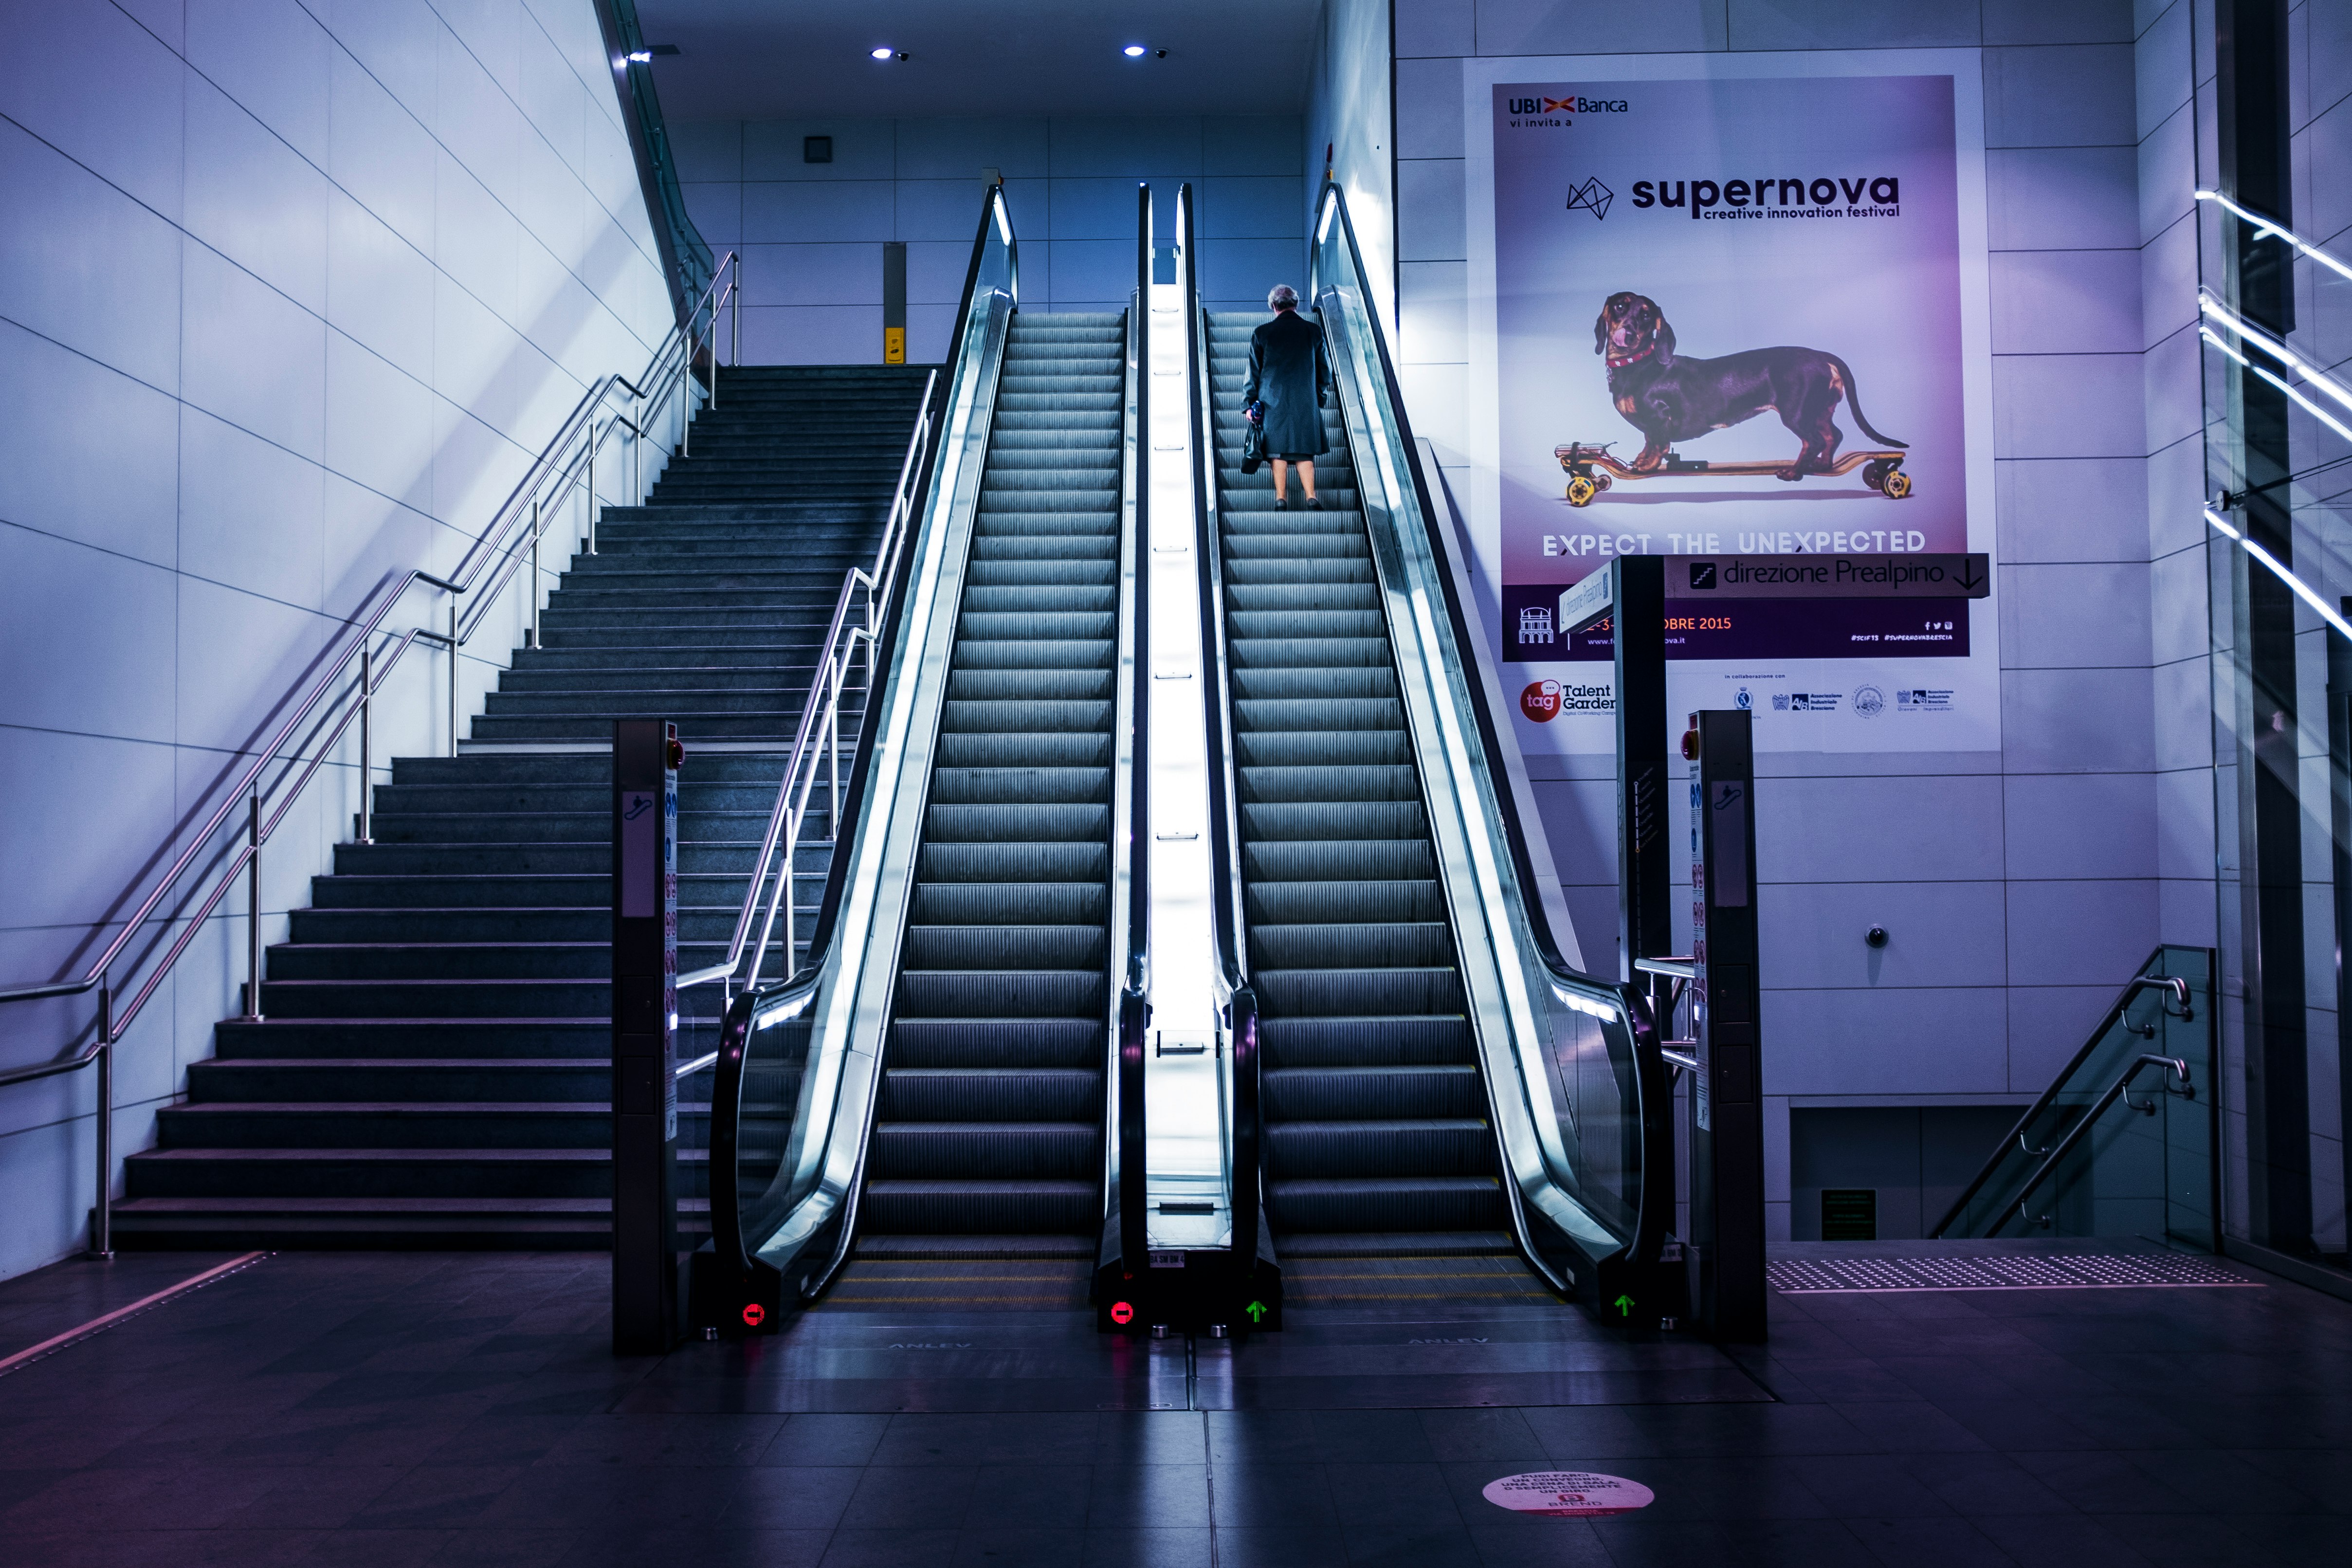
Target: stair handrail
{"type": "Point", "coordinates": [1228, 928]}
{"type": "Point", "coordinates": [1568, 985]}
{"type": "Point", "coordinates": [308, 734]}
{"type": "Point", "coordinates": [817, 743]}
{"type": "Point", "coordinates": [2175, 989]}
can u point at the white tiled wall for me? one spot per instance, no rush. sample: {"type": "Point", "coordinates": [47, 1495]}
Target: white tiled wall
{"type": "Point", "coordinates": [2022, 889]}
{"type": "Point", "coordinates": [811, 235]}
{"type": "Point", "coordinates": [289, 296]}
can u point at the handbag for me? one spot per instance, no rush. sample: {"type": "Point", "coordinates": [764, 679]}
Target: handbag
{"type": "Point", "coordinates": [1252, 438]}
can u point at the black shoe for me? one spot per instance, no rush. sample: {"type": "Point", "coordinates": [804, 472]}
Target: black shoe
{"type": "Point", "coordinates": [1282, 503]}
{"type": "Point", "coordinates": [1314, 503]}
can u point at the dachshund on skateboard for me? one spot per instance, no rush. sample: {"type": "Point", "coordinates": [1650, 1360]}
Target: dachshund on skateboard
{"type": "Point", "coordinates": [1670, 398]}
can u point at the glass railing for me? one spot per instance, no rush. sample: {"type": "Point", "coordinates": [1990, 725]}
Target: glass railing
{"type": "Point", "coordinates": [799, 1062]}
{"type": "Point", "coordinates": [1576, 1091]}
{"type": "Point", "coordinates": [2277, 539]}
{"type": "Point", "coordinates": [2122, 1144]}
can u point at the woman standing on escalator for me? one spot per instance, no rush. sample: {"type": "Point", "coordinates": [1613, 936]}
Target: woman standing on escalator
{"type": "Point", "coordinates": [1289, 383]}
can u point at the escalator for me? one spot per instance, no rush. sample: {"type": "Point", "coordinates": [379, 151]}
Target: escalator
{"type": "Point", "coordinates": [1185, 879]}
{"type": "Point", "coordinates": [1453, 1110]}
{"type": "Point", "coordinates": [1377, 1138]}
{"type": "Point", "coordinates": [918, 1116]}
{"type": "Point", "coordinates": [988, 1139]}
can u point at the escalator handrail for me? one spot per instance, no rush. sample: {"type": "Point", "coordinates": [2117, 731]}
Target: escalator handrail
{"type": "Point", "coordinates": [787, 999]}
{"type": "Point", "coordinates": [1135, 985]}
{"type": "Point", "coordinates": [1216, 692]}
{"type": "Point", "coordinates": [2116, 1014]}
{"type": "Point", "coordinates": [1651, 1076]}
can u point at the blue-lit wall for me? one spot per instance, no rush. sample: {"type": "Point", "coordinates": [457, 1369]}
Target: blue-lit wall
{"type": "Point", "coordinates": [811, 233]}
{"type": "Point", "coordinates": [290, 297]}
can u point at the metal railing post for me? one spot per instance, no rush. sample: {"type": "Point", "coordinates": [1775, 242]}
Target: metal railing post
{"type": "Point", "coordinates": [534, 572]}
{"type": "Point", "coordinates": [792, 917]}
{"type": "Point", "coordinates": [367, 740]}
{"type": "Point", "coordinates": [453, 675]}
{"type": "Point", "coordinates": [101, 1208]}
{"type": "Point", "coordinates": [840, 665]}
{"type": "Point", "coordinates": [593, 443]}
{"type": "Point", "coordinates": [253, 906]}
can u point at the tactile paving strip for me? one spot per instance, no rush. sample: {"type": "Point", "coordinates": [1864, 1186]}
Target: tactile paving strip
{"type": "Point", "coordinates": [2001, 1271]}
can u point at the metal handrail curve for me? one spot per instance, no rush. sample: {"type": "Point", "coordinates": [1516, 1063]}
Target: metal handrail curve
{"type": "Point", "coordinates": [303, 740]}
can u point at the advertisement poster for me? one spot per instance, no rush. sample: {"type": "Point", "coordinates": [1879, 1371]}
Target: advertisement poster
{"type": "Point", "coordinates": [1735, 306]}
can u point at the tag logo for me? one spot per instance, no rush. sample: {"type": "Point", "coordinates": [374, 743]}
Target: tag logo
{"type": "Point", "coordinates": [1540, 701]}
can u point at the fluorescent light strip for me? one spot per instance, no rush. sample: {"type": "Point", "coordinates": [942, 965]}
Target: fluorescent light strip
{"type": "Point", "coordinates": [2303, 590]}
{"type": "Point", "coordinates": [2273, 347]}
{"type": "Point", "coordinates": [2263, 225]}
{"type": "Point", "coordinates": [2310, 407]}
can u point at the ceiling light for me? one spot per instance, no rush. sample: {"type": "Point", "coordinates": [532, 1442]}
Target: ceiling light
{"type": "Point", "coordinates": [641, 57]}
{"type": "Point", "coordinates": [1133, 51]}
{"type": "Point", "coordinates": [888, 54]}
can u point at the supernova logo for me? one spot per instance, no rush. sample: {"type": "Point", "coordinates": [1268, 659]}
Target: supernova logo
{"type": "Point", "coordinates": [1591, 196]}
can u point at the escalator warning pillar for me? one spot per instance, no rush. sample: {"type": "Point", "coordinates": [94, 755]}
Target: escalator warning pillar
{"type": "Point", "coordinates": [1727, 1157]}
{"type": "Point", "coordinates": [644, 1024]}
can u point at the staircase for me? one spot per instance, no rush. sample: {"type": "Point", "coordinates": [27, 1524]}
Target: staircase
{"type": "Point", "coordinates": [1376, 1133]}
{"type": "Point", "coordinates": [988, 1141]}
{"type": "Point", "coordinates": [432, 1067]}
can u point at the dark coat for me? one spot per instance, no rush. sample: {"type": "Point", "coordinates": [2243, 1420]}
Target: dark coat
{"type": "Point", "coordinates": [1289, 371]}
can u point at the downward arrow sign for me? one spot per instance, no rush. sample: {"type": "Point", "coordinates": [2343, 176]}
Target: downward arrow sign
{"type": "Point", "coordinates": [1970, 578]}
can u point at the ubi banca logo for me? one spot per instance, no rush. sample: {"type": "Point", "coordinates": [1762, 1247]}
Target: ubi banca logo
{"type": "Point", "coordinates": [1574, 103]}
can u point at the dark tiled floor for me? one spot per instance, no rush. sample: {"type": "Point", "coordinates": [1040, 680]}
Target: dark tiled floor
{"type": "Point", "coordinates": [365, 1409]}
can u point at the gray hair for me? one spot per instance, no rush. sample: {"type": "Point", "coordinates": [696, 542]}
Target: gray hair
{"type": "Point", "coordinates": [1282, 297]}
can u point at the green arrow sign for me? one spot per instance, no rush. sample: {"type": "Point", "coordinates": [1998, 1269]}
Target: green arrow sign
{"type": "Point", "coordinates": [1256, 1309]}
{"type": "Point", "coordinates": [1624, 1305]}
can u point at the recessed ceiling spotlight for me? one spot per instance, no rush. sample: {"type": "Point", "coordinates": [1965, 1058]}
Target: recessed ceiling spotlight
{"type": "Point", "coordinates": [888, 54]}
{"type": "Point", "coordinates": [1133, 51]}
